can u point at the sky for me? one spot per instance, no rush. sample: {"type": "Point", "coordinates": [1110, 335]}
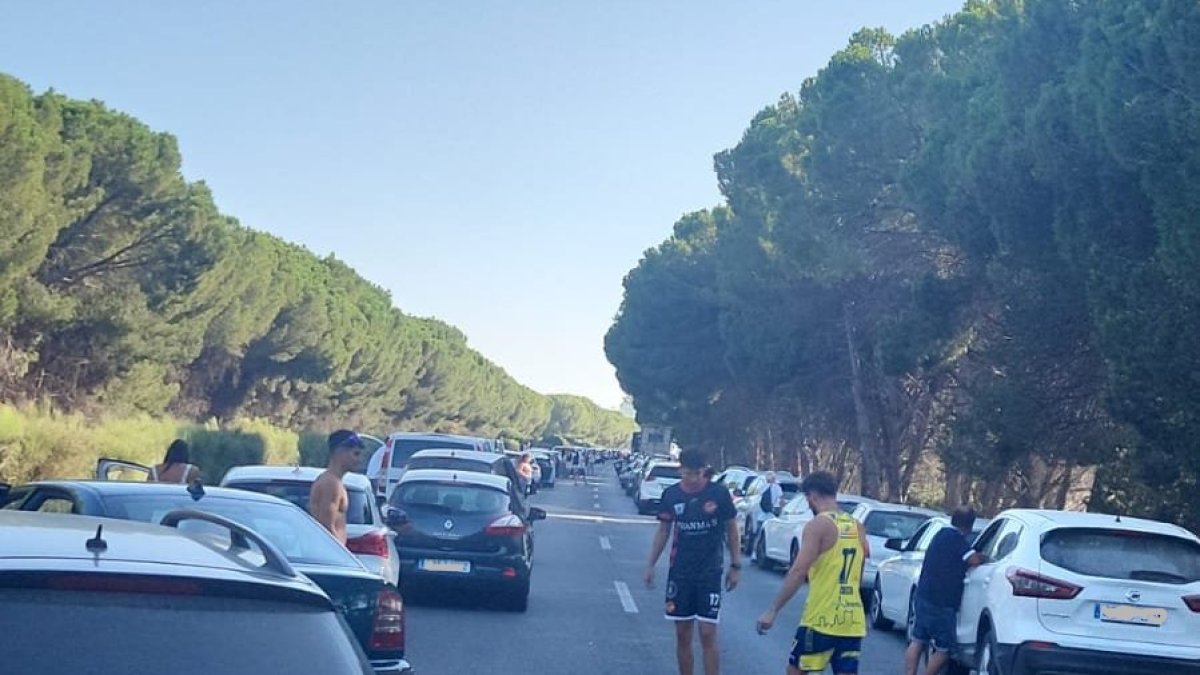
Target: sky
{"type": "Point", "coordinates": [498, 165]}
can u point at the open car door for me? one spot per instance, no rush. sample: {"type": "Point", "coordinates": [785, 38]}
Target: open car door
{"type": "Point", "coordinates": [120, 470]}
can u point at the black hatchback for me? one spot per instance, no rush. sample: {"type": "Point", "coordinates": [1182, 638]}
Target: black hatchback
{"type": "Point", "coordinates": [464, 529]}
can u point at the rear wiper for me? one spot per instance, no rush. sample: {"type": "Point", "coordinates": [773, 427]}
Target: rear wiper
{"type": "Point", "coordinates": [1156, 575]}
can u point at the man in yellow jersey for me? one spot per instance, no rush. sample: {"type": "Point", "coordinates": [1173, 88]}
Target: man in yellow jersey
{"type": "Point", "coordinates": [833, 549]}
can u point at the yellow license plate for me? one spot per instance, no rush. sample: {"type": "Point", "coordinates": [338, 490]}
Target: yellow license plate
{"type": "Point", "coordinates": [1132, 614]}
{"type": "Point", "coordinates": [454, 566]}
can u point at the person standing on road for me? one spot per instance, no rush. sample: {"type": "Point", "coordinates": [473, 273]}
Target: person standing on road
{"type": "Point", "coordinates": [768, 505]}
{"type": "Point", "coordinates": [833, 549]}
{"type": "Point", "coordinates": [699, 517]}
{"type": "Point", "coordinates": [328, 501]}
{"type": "Point", "coordinates": [577, 465]}
{"type": "Point", "coordinates": [175, 467]}
{"type": "Point", "coordinates": [939, 593]}
{"type": "Point", "coordinates": [525, 471]}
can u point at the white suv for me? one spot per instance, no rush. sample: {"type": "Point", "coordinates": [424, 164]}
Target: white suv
{"type": "Point", "coordinates": [659, 476]}
{"type": "Point", "coordinates": [1081, 593]}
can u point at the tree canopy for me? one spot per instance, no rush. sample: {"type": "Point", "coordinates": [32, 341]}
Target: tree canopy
{"type": "Point", "coordinates": [958, 264]}
{"type": "Point", "coordinates": [123, 289]}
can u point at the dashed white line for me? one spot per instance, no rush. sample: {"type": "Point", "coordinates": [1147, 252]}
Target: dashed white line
{"type": "Point", "coordinates": [596, 505]}
{"type": "Point", "coordinates": [627, 602]}
{"type": "Point", "coordinates": [605, 544]}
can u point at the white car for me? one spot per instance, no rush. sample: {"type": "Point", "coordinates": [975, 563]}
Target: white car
{"type": "Point", "coordinates": [884, 521]}
{"type": "Point", "coordinates": [749, 509]}
{"type": "Point", "coordinates": [659, 476]}
{"type": "Point", "coordinates": [368, 536]}
{"type": "Point", "coordinates": [778, 542]}
{"type": "Point", "coordinates": [387, 464]}
{"type": "Point", "coordinates": [1068, 592]}
{"type": "Point", "coordinates": [896, 580]}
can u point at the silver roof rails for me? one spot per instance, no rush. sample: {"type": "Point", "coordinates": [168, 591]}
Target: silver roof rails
{"type": "Point", "coordinates": [240, 537]}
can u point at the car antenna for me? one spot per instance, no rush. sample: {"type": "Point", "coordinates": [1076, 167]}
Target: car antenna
{"type": "Point", "coordinates": [97, 544]}
{"type": "Point", "coordinates": [1118, 517]}
{"type": "Point", "coordinates": [196, 490]}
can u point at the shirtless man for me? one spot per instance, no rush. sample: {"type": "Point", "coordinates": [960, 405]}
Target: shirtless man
{"type": "Point", "coordinates": [328, 501]}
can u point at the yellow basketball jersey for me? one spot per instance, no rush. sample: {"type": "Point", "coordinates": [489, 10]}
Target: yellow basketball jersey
{"type": "Point", "coordinates": [834, 606]}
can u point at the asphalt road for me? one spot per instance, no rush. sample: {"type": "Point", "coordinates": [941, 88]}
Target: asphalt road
{"type": "Point", "coordinates": [590, 553]}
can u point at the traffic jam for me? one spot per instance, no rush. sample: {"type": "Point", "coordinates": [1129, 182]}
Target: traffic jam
{"type": "Point", "coordinates": [130, 559]}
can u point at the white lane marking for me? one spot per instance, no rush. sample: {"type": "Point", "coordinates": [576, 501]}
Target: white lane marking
{"type": "Point", "coordinates": [627, 602]}
{"type": "Point", "coordinates": [605, 544]}
{"type": "Point", "coordinates": [596, 505]}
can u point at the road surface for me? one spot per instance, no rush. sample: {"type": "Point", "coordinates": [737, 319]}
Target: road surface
{"type": "Point", "coordinates": [590, 613]}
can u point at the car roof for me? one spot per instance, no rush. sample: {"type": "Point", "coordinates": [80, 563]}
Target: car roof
{"type": "Point", "coordinates": [432, 436]}
{"type": "Point", "coordinates": [670, 465]}
{"type": "Point", "coordinates": [1047, 519]}
{"type": "Point", "coordinates": [37, 542]}
{"type": "Point", "coordinates": [104, 488]}
{"type": "Point", "coordinates": [290, 473]}
{"type": "Point", "coordinates": [459, 453]}
{"type": "Point", "coordinates": [450, 476]}
{"type": "Point", "coordinates": [885, 506]}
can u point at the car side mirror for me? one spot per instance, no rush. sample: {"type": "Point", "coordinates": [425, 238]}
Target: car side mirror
{"type": "Point", "coordinates": [396, 518]}
{"type": "Point", "coordinates": [738, 493]}
{"type": "Point", "coordinates": [894, 544]}
{"type": "Point", "coordinates": [536, 514]}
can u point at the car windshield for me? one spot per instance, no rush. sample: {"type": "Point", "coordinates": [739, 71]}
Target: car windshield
{"type": "Point", "coordinates": [297, 535]}
{"type": "Point", "coordinates": [450, 498]}
{"type": "Point", "coordinates": [893, 524]}
{"type": "Point", "coordinates": [359, 511]}
{"type": "Point", "coordinates": [449, 464]}
{"type": "Point", "coordinates": [1124, 554]}
{"type": "Point", "coordinates": [405, 448]}
{"type": "Point", "coordinates": [103, 633]}
{"type": "Point", "coordinates": [669, 472]}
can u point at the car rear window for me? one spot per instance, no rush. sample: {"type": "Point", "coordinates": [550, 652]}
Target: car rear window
{"type": "Point", "coordinates": [103, 633]}
{"type": "Point", "coordinates": [450, 498]}
{"type": "Point", "coordinates": [666, 472]}
{"type": "Point", "coordinates": [449, 464]}
{"type": "Point", "coordinates": [297, 535]}
{"type": "Point", "coordinates": [405, 448]}
{"type": "Point", "coordinates": [893, 524]}
{"type": "Point", "coordinates": [296, 492]}
{"type": "Point", "coordinates": [1123, 554]}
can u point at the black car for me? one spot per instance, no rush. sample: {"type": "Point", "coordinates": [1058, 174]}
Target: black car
{"type": "Point", "coordinates": [463, 529]}
{"type": "Point", "coordinates": [372, 607]}
{"type": "Point", "coordinates": [108, 597]}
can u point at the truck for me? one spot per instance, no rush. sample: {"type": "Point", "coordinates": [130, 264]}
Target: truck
{"type": "Point", "coordinates": [655, 440]}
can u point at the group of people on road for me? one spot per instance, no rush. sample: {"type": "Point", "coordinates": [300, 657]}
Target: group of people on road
{"type": "Point", "coordinates": [698, 518]}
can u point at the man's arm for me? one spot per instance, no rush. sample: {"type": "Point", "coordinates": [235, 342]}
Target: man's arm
{"type": "Point", "coordinates": [811, 546]}
{"type": "Point", "coordinates": [656, 549]}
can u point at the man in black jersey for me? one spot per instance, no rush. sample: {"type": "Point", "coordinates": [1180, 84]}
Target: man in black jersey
{"type": "Point", "coordinates": [699, 517]}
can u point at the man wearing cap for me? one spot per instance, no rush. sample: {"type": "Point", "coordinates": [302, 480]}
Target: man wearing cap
{"type": "Point", "coordinates": [328, 501]}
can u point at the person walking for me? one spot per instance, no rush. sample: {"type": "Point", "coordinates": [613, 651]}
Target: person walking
{"type": "Point", "coordinates": [698, 517]}
{"type": "Point", "coordinates": [175, 467]}
{"type": "Point", "coordinates": [939, 593]}
{"type": "Point", "coordinates": [328, 500]}
{"type": "Point", "coordinates": [833, 548]}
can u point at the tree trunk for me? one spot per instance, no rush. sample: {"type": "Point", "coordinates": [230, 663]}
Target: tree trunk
{"type": "Point", "coordinates": [870, 469]}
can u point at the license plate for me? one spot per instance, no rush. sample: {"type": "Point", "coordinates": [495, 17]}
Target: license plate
{"type": "Point", "coordinates": [1131, 614]}
{"type": "Point", "coordinates": [453, 566]}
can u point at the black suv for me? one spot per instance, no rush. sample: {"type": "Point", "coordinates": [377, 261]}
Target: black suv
{"type": "Point", "coordinates": [110, 597]}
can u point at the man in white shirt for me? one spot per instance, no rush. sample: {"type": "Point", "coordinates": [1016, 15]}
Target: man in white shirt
{"type": "Point", "coordinates": [768, 505]}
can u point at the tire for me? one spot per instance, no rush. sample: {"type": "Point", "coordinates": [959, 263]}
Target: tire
{"type": "Point", "coordinates": [792, 553]}
{"type": "Point", "coordinates": [988, 665]}
{"type": "Point", "coordinates": [912, 612]}
{"type": "Point", "coordinates": [878, 620]}
{"type": "Point", "coordinates": [642, 509]}
{"type": "Point", "coordinates": [760, 553]}
{"type": "Point", "coordinates": [747, 542]}
{"type": "Point", "coordinates": [518, 598]}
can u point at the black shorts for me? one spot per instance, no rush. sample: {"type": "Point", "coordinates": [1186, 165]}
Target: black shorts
{"type": "Point", "coordinates": [696, 599]}
{"type": "Point", "coordinates": [813, 652]}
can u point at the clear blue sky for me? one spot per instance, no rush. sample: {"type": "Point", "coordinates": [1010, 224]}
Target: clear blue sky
{"type": "Point", "coordinates": [499, 165]}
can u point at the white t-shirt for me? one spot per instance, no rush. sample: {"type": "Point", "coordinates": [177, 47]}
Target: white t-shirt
{"type": "Point", "coordinates": [375, 464]}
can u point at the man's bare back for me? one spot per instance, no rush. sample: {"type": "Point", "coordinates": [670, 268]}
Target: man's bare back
{"type": "Point", "coordinates": [328, 503]}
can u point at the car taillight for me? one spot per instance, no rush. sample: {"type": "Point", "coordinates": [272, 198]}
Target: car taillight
{"type": "Point", "coordinates": [1193, 602]}
{"type": "Point", "coordinates": [1026, 584]}
{"type": "Point", "coordinates": [506, 526]}
{"type": "Point", "coordinates": [372, 543]}
{"type": "Point", "coordinates": [388, 633]}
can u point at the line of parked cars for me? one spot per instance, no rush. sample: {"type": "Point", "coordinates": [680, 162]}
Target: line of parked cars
{"type": "Point", "coordinates": [445, 511]}
{"type": "Point", "coordinates": [1058, 592]}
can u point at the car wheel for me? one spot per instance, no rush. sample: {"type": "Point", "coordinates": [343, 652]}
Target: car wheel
{"type": "Point", "coordinates": [747, 542]}
{"type": "Point", "coordinates": [793, 553]}
{"type": "Point", "coordinates": [988, 665]}
{"type": "Point", "coordinates": [760, 553]}
{"type": "Point", "coordinates": [518, 600]}
{"type": "Point", "coordinates": [878, 620]}
{"type": "Point", "coordinates": [912, 612]}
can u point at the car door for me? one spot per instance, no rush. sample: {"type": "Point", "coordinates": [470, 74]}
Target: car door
{"type": "Point", "coordinates": [978, 580]}
{"type": "Point", "coordinates": [777, 530]}
{"type": "Point", "coordinates": [119, 469]}
{"type": "Point", "coordinates": [895, 573]}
